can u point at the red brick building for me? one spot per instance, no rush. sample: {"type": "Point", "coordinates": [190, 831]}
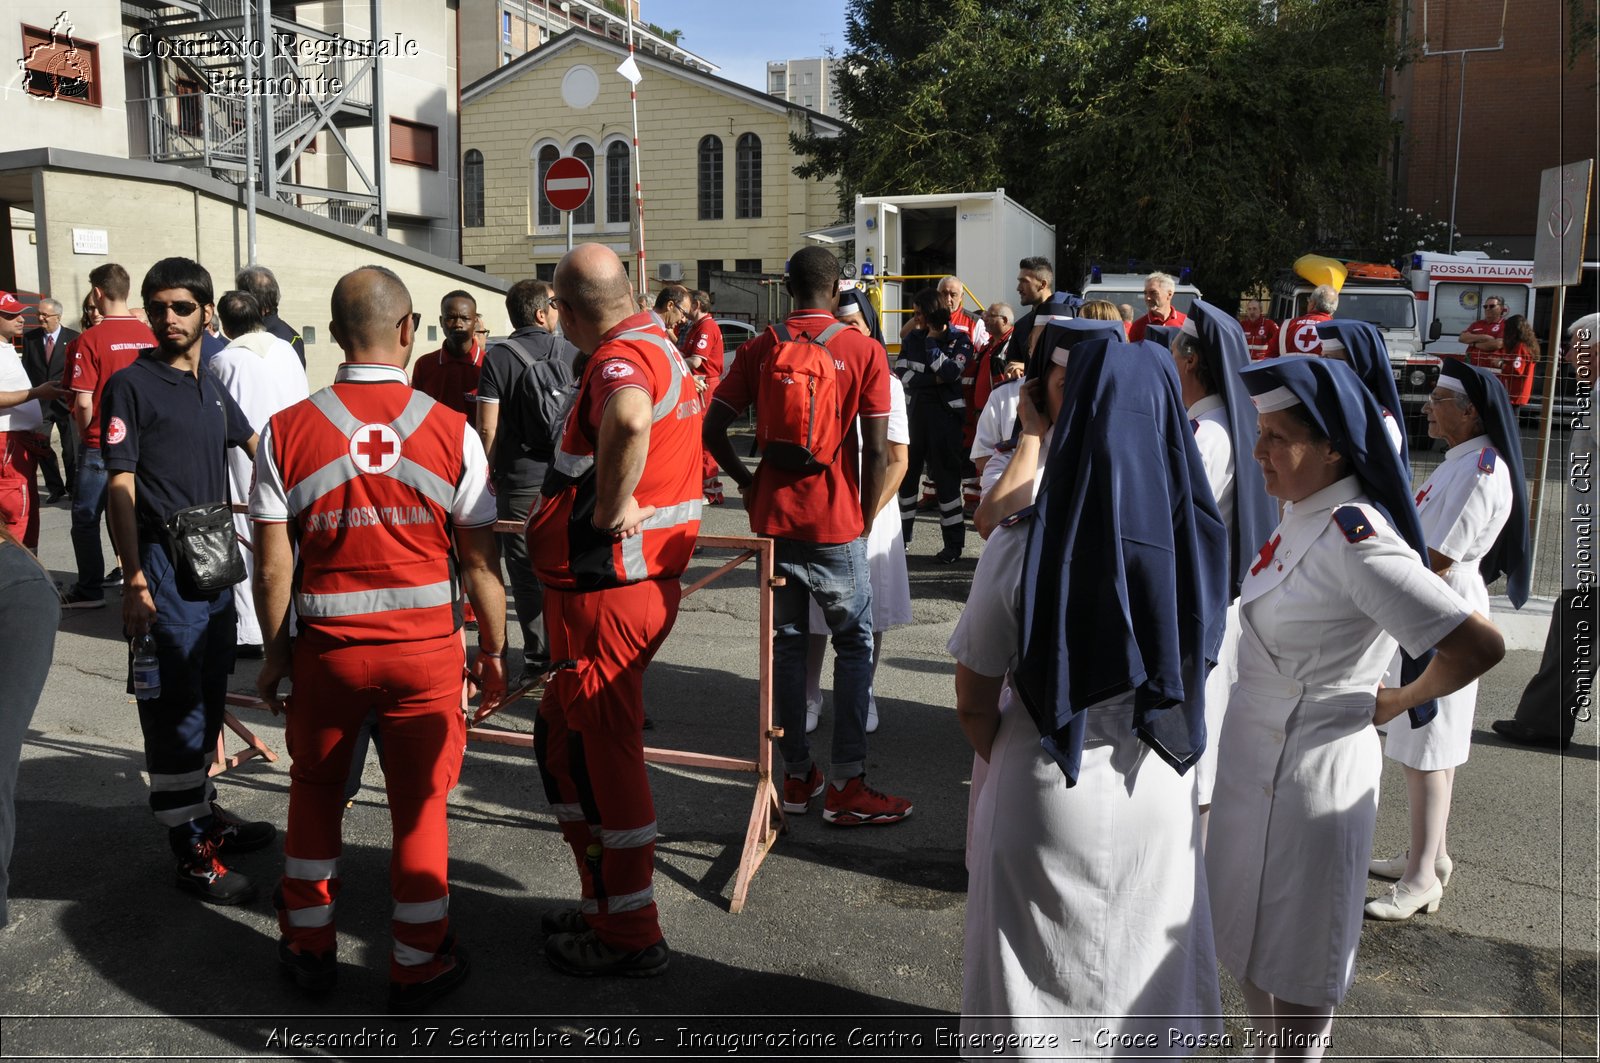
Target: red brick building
{"type": "Point", "coordinates": [1526, 109]}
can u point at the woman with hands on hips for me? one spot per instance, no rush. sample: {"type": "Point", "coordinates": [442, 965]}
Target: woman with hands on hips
{"type": "Point", "coordinates": [1342, 579]}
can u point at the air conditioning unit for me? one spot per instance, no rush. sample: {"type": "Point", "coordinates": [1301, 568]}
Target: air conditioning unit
{"type": "Point", "coordinates": [669, 271]}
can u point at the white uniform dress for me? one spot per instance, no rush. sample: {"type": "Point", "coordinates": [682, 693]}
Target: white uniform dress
{"type": "Point", "coordinates": [264, 375]}
{"type": "Point", "coordinates": [995, 425]}
{"type": "Point", "coordinates": [1463, 506]}
{"type": "Point", "coordinates": [1215, 443]}
{"type": "Point", "coordinates": [1297, 778]}
{"type": "Point", "coordinates": [1086, 905]}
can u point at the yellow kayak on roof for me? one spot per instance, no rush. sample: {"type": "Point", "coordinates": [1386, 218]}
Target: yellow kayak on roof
{"type": "Point", "coordinates": [1320, 269]}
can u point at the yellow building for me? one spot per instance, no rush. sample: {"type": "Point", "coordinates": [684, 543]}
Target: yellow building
{"type": "Point", "coordinates": [719, 188]}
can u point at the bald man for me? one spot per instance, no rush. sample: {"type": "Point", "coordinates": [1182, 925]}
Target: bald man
{"type": "Point", "coordinates": [374, 483]}
{"type": "Point", "coordinates": [613, 532]}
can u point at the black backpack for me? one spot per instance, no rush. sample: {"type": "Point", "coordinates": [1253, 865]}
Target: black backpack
{"type": "Point", "coordinates": [543, 395]}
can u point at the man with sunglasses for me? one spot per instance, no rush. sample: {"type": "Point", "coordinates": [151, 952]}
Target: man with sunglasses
{"type": "Point", "coordinates": [166, 426]}
{"type": "Point", "coordinates": [1485, 336]}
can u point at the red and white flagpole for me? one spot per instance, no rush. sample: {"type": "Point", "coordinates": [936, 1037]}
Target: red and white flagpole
{"type": "Point", "coordinates": [638, 181]}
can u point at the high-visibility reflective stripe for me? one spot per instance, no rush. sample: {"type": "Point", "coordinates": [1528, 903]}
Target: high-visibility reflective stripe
{"type": "Point", "coordinates": [321, 915]}
{"type": "Point", "coordinates": [357, 603]}
{"type": "Point", "coordinates": [950, 520]}
{"type": "Point", "coordinates": [186, 781]}
{"type": "Point", "coordinates": [628, 839]}
{"type": "Point", "coordinates": [633, 563]}
{"type": "Point", "coordinates": [568, 813]}
{"type": "Point", "coordinates": [336, 473]}
{"type": "Point", "coordinates": [310, 870]}
{"type": "Point", "coordinates": [589, 906]}
{"type": "Point", "coordinates": [406, 956]}
{"type": "Point", "coordinates": [631, 902]}
{"type": "Point", "coordinates": [336, 411]}
{"type": "Point", "coordinates": [422, 911]}
{"type": "Point", "coordinates": [937, 363]}
{"type": "Point", "coordinates": [177, 817]}
{"type": "Point", "coordinates": [573, 465]}
{"type": "Point", "coordinates": [670, 401]}
{"type": "Point", "coordinates": [429, 483]}
{"type": "Point", "coordinates": [411, 418]}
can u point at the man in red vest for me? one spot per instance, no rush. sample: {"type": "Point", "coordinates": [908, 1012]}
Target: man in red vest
{"type": "Point", "coordinates": [1260, 332]}
{"type": "Point", "coordinates": [702, 349]}
{"type": "Point", "coordinates": [1158, 289]}
{"type": "Point", "coordinates": [385, 494]}
{"type": "Point", "coordinates": [614, 530]}
{"type": "Point", "coordinates": [1299, 335]}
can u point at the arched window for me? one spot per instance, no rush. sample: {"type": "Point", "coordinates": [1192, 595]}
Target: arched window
{"type": "Point", "coordinates": [545, 214]}
{"type": "Point", "coordinates": [710, 178]}
{"type": "Point", "coordinates": [618, 180]}
{"type": "Point", "coordinates": [584, 215]}
{"type": "Point", "coordinates": [472, 190]}
{"type": "Point", "coordinates": [747, 177]}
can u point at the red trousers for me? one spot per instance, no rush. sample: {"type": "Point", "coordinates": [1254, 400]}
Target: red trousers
{"type": "Point", "coordinates": [589, 741]}
{"type": "Point", "coordinates": [19, 494]}
{"type": "Point", "coordinates": [413, 689]}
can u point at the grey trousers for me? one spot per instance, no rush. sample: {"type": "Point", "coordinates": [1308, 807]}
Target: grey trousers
{"type": "Point", "coordinates": [1559, 691]}
{"type": "Point", "coordinates": [513, 504]}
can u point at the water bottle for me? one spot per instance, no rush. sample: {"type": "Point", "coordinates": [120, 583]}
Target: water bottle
{"type": "Point", "coordinates": [146, 669]}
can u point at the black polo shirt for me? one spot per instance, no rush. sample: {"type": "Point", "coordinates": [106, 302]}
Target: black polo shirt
{"type": "Point", "coordinates": [171, 429]}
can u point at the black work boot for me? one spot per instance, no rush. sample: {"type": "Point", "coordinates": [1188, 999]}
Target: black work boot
{"type": "Point", "coordinates": [201, 873]}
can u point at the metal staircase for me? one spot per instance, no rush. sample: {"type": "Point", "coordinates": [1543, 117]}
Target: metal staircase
{"type": "Point", "coordinates": [246, 92]}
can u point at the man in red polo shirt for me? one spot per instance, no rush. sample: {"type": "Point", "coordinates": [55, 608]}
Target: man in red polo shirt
{"type": "Point", "coordinates": [450, 374]}
{"type": "Point", "coordinates": [1484, 337]}
{"type": "Point", "coordinates": [1260, 332]}
{"type": "Point", "coordinates": [1299, 335]}
{"type": "Point", "coordinates": [814, 516]}
{"type": "Point", "coordinates": [101, 352]}
{"type": "Point", "coordinates": [1158, 289]}
{"type": "Point", "coordinates": [615, 528]}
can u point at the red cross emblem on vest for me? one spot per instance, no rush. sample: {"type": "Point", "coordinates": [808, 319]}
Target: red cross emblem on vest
{"type": "Point", "coordinates": [1264, 558]}
{"type": "Point", "coordinates": [375, 448]}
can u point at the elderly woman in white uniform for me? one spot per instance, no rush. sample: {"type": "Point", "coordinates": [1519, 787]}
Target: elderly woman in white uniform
{"type": "Point", "coordinates": [1340, 580]}
{"type": "Point", "coordinates": [1474, 513]}
{"type": "Point", "coordinates": [886, 545]}
{"type": "Point", "coordinates": [1087, 919]}
{"type": "Point", "coordinates": [1209, 350]}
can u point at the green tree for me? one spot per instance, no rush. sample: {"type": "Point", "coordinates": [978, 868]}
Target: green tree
{"type": "Point", "coordinates": [1227, 134]}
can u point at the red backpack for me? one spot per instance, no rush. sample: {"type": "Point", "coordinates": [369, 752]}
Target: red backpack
{"type": "Point", "coordinates": [798, 420]}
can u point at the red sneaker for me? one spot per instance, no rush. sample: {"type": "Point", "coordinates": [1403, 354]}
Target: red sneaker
{"type": "Point", "coordinates": [798, 792]}
{"type": "Point", "coordinates": [859, 805]}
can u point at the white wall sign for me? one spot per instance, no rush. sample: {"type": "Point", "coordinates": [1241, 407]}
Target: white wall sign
{"type": "Point", "coordinates": [90, 242]}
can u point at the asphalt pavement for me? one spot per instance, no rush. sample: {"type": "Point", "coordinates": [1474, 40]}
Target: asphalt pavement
{"type": "Point", "coordinates": [850, 944]}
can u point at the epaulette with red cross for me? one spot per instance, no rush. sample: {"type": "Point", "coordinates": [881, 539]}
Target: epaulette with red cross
{"type": "Point", "coordinates": [1025, 513]}
{"type": "Point", "coordinates": [1354, 523]}
{"type": "Point", "coordinates": [1194, 425]}
{"type": "Point", "coordinates": [1486, 459]}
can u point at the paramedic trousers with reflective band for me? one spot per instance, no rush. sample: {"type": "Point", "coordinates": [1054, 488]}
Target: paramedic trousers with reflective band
{"type": "Point", "coordinates": [589, 741]}
{"type": "Point", "coordinates": [415, 690]}
{"type": "Point", "coordinates": [935, 443]}
{"type": "Point", "coordinates": [195, 646]}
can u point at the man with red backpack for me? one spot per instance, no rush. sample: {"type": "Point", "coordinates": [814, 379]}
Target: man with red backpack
{"type": "Point", "coordinates": [812, 379]}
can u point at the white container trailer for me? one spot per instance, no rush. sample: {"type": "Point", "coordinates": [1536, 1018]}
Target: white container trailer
{"type": "Point", "coordinates": [978, 236]}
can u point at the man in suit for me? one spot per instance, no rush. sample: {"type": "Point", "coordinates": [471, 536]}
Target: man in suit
{"type": "Point", "coordinates": [44, 353]}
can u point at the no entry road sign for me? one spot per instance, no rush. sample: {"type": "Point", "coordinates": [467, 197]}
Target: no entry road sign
{"type": "Point", "coordinates": [567, 183]}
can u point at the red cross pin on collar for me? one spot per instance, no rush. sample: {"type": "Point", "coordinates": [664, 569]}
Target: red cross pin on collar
{"type": "Point", "coordinates": [1264, 558]}
{"type": "Point", "coordinates": [375, 448]}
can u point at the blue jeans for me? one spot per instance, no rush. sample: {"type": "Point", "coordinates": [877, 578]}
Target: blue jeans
{"type": "Point", "coordinates": [88, 506]}
{"type": "Point", "coordinates": [836, 576]}
{"type": "Point", "coordinates": [195, 645]}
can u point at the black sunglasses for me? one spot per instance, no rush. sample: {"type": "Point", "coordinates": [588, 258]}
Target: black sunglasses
{"type": "Point", "coordinates": [181, 308]}
{"type": "Point", "coordinates": [416, 319]}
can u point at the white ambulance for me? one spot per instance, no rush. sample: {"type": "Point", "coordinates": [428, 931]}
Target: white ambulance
{"type": "Point", "coordinates": [1450, 289]}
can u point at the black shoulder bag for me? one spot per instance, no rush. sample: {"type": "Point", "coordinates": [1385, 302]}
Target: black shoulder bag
{"type": "Point", "coordinates": [204, 548]}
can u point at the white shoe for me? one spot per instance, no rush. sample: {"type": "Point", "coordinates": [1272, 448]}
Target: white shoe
{"type": "Point", "coordinates": [872, 717]}
{"type": "Point", "coordinates": [1396, 868]}
{"type": "Point", "coordinates": [813, 716]}
{"type": "Point", "coordinates": [1401, 904]}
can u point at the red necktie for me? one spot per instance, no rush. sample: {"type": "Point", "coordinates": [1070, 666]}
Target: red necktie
{"type": "Point", "coordinates": [49, 345]}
